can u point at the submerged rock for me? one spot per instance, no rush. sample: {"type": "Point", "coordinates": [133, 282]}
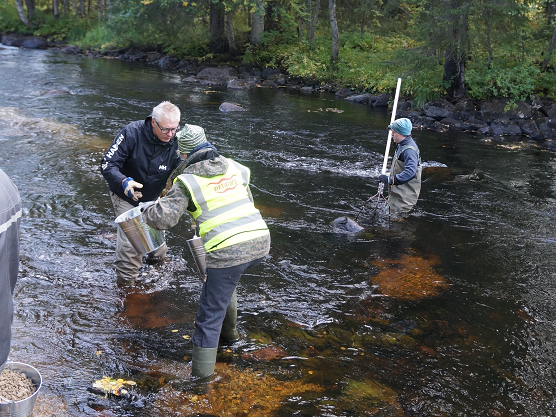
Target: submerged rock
{"type": "Point", "coordinates": [346, 224]}
{"type": "Point", "coordinates": [229, 107]}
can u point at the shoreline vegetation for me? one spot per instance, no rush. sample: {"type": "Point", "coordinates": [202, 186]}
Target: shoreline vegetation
{"type": "Point", "coordinates": [484, 67]}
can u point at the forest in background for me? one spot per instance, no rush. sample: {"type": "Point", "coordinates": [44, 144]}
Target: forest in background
{"type": "Point", "coordinates": [482, 49]}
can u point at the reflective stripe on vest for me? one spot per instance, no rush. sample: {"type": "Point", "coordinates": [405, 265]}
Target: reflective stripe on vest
{"type": "Point", "coordinates": [225, 214]}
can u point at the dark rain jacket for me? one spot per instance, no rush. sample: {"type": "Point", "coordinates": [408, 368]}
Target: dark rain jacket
{"type": "Point", "coordinates": [10, 218]}
{"type": "Point", "coordinates": [137, 153]}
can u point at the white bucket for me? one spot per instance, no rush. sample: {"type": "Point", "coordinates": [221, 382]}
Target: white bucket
{"type": "Point", "coordinates": [142, 237]}
{"type": "Point", "coordinates": [22, 408]}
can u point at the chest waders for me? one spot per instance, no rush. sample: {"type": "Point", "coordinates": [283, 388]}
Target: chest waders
{"type": "Point", "coordinates": [401, 198]}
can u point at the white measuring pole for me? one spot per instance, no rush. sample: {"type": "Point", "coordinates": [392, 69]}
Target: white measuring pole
{"type": "Point", "coordinates": [394, 108]}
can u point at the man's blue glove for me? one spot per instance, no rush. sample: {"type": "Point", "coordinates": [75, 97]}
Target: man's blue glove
{"type": "Point", "coordinates": [129, 186]}
{"type": "Point", "coordinates": [385, 179]}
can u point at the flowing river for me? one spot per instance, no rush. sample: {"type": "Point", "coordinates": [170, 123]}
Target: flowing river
{"type": "Point", "coordinates": [450, 312]}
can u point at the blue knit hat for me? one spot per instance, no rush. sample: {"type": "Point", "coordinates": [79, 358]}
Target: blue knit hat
{"type": "Point", "coordinates": [190, 137]}
{"type": "Point", "coordinates": [402, 126]}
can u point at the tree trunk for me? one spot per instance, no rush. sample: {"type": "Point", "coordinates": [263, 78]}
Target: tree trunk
{"type": "Point", "coordinates": [334, 31]}
{"type": "Point", "coordinates": [66, 7]}
{"type": "Point", "coordinates": [218, 41]}
{"type": "Point", "coordinates": [55, 11]}
{"type": "Point", "coordinates": [21, 12]}
{"type": "Point", "coordinates": [311, 33]}
{"type": "Point", "coordinates": [257, 28]}
{"type": "Point", "coordinates": [550, 50]}
{"type": "Point", "coordinates": [230, 32]}
{"type": "Point", "coordinates": [457, 16]}
{"type": "Point", "coordinates": [489, 43]}
{"type": "Point", "coordinates": [363, 24]}
{"type": "Point", "coordinates": [454, 72]}
{"type": "Point", "coordinates": [100, 12]}
{"type": "Point", "coordinates": [82, 7]}
{"type": "Point", "coordinates": [30, 9]}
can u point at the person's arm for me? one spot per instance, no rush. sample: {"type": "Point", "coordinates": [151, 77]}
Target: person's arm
{"type": "Point", "coordinates": [114, 159]}
{"type": "Point", "coordinates": [411, 161]}
{"type": "Point", "coordinates": [167, 210]}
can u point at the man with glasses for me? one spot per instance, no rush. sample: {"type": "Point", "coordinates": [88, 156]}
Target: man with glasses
{"type": "Point", "coordinates": [136, 168]}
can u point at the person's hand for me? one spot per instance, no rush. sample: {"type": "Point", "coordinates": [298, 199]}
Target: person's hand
{"type": "Point", "coordinates": [129, 186]}
{"type": "Point", "coordinates": [385, 179]}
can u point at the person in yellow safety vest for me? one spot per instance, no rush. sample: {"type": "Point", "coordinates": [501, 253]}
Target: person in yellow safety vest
{"type": "Point", "coordinates": [215, 191]}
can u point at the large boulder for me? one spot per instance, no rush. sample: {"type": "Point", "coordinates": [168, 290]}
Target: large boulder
{"type": "Point", "coordinates": [529, 128]}
{"type": "Point", "coordinates": [505, 127]}
{"type": "Point", "coordinates": [547, 128]}
{"type": "Point", "coordinates": [380, 100]}
{"type": "Point", "coordinates": [441, 109]}
{"type": "Point", "coordinates": [35, 43]}
{"type": "Point", "coordinates": [12, 40]}
{"type": "Point", "coordinates": [241, 84]}
{"type": "Point", "coordinates": [496, 109]}
{"type": "Point", "coordinates": [359, 98]}
{"type": "Point", "coordinates": [217, 73]}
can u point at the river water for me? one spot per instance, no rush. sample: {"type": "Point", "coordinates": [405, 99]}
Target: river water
{"type": "Point", "coordinates": [449, 312]}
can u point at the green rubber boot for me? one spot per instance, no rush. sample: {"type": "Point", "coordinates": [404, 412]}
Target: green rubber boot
{"type": "Point", "coordinates": [229, 333]}
{"type": "Point", "coordinates": [203, 361]}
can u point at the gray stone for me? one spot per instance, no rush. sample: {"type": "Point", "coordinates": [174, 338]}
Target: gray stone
{"type": "Point", "coordinates": [227, 107]}
{"type": "Point", "coordinates": [35, 43]}
{"type": "Point", "coordinates": [359, 98]}
{"type": "Point", "coordinates": [190, 79]}
{"type": "Point", "coordinates": [504, 127]}
{"type": "Point", "coordinates": [217, 73]}
{"type": "Point", "coordinates": [241, 84]}
{"type": "Point", "coordinates": [380, 100]}
{"type": "Point", "coordinates": [529, 128]}
{"type": "Point", "coordinates": [267, 72]}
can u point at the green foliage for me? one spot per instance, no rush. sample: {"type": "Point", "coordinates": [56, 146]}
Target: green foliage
{"type": "Point", "coordinates": [100, 37]}
{"type": "Point", "coordinates": [9, 19]}
{"type": "Point", "coordinates": [516, 82]}
{"type": "Point", "coordinates": [60, 29]}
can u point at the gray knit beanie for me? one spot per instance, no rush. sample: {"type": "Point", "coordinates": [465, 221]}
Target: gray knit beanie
{"type": "Point", "coordinates": [190, 137]}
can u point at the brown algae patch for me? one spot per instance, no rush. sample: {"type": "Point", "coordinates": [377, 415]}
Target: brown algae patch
{"type": "Point", "coordinates": [409, 278]}
{"type": "Point", "coordinates": [234, 392]}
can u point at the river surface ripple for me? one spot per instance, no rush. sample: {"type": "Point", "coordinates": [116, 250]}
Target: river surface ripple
{"type": "Point", "coordinates": [449, 312]}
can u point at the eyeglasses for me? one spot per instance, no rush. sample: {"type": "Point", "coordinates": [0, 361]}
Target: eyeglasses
{"type": "Point", "coordinates": [166, 130]}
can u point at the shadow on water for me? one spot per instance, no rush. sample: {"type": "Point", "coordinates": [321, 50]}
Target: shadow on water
{"type": "Point", "coordinates": [448, 311]}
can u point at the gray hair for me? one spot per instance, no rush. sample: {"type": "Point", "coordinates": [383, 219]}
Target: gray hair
{"type": "Point", "coordinates": [168, 110]}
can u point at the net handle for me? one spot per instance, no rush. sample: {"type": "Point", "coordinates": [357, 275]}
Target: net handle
{"type": "Point", "coordinates": [395, 106]}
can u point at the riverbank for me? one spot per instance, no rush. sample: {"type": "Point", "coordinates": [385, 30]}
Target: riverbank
{"type": "Point", "coordinates": [532, 119]}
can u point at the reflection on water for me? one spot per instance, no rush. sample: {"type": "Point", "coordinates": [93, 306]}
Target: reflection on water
{"type": "Point", "coordinates": [450, 311]}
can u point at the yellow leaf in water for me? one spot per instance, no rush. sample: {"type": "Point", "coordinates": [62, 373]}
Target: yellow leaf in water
{"type": "Point", "coordinates": [343, 348]}
{"type": "Point", "coordinates": [99, 352]}
{"type": "Point", "coordinates": [186, 336]}
{"type": "Point", "coordinates": [131, 383]}
{"type": "Point", "coordinates": [120, 380]}
{"type": "Point", "coordinates": [310, 372]}
{"type": "Point", "coordinates": [174, 331]}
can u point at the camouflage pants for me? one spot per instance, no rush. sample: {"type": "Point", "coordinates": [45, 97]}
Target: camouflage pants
{"type": "Point", "coordinates": [128, 262]}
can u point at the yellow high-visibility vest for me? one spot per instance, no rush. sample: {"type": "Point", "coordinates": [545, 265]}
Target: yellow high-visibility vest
{"type": "Point", "coordinates": [225, 215]}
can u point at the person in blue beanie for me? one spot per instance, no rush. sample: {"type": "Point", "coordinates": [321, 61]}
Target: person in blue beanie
{"type": "Point", "coordinates": [404, 181]}
{"type": "Point", "coordinates": [10, 218]}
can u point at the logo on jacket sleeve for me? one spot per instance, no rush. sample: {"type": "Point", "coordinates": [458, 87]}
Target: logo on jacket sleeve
{"type": "Point", "coordinates": [162, 168]}
{"type": "Point", "coordinates": [225, 184]}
